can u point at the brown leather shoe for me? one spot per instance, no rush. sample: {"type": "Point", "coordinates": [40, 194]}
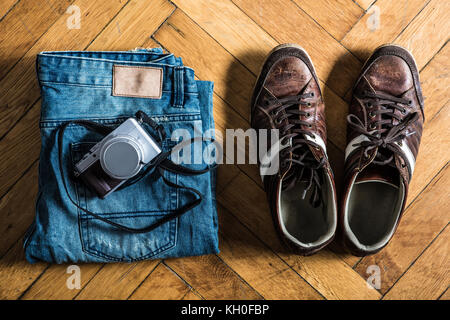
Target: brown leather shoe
{"type": "Point", "coordinates": [385, 126]}
{"type": "Point", "coordinates": [301, 192]}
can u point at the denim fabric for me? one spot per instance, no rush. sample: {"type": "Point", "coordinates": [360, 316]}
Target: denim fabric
{"type": "Point", "coordinates": [78, 85]}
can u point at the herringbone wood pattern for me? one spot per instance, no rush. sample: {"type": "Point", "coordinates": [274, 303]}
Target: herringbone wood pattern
{"type": "Point", "coordinates": [226, 41]}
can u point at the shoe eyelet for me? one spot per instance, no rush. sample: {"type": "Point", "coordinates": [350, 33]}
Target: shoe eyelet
{"type": "Point", "coordinates": [309, 104]}
{"type": "Point", "coordinates": [309, 125]}
{"type": "Point", "coordinates": [369, 104]}
{"type": "Point", "coordinates": [409, 102]}
{"type": "Point", "coordinates": [372, 126]}
{"type": "Point", "coordinates": [284, 141]}
{"type": "Point", "coordinates": [400, 143]}
{"type": "Point", "coordinates": [372, 114]}
{"type": "Point", "coordinates": [312, 94]}
{"type": "Point", "coordinates": [308, 114]}
{"type": "Point", "coordinates": [403, 111]}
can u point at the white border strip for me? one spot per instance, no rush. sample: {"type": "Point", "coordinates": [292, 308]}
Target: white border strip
{"type": "Point", "coordinates": [350, 146]}
{"type": "Point", "coordinates": [403, 146]}
{"type": "Point", "coordinates": [409, 156]}
{"type": "Point", "coordinates": [318, 140]}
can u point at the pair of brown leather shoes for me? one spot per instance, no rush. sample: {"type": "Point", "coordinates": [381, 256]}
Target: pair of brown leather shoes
{"type": "Point", "coordinates": [384, 130]}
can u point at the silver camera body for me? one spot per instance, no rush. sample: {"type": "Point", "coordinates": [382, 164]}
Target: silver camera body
{"type": "Point", "coordinates": [117, 157]}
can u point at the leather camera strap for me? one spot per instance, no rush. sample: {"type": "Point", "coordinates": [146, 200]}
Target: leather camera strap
{"type": "Point", "coordinates": [160, 163]}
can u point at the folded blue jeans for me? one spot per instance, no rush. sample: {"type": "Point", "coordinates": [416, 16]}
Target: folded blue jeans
{"type": "Point", "coordinates": [78, 85]}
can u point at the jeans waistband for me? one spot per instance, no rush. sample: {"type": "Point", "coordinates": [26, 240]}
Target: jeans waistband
{"type": "Point", "coordinates": [94, 69]}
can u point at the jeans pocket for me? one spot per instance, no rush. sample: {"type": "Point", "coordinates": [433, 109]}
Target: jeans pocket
{"type": "Point", "coordinates": [136, 206]}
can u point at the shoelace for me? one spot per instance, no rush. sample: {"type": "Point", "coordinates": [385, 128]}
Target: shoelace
{"type": "Point", "coordinates": [301, 154]}
{"type": "Point", "coordinates": [383, 133]}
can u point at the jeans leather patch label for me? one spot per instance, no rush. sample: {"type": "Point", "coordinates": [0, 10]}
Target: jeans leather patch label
{"type": "Point", "coordinates": [137, 81]}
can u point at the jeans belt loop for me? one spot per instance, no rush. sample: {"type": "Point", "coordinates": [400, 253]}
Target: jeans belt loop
{"type": "Point", "coordinates": [178, 87]}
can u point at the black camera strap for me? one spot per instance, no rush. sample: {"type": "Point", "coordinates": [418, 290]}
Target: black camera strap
{"type": "Point", "coordinates": [160, 163]}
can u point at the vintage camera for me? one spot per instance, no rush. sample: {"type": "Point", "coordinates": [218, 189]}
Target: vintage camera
{"type": "Point", "coordinates": [117, 157]}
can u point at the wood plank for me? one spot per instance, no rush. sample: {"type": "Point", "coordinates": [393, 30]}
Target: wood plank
{"type": "Point", "coordinates": [257, 264]}
{"type": "Point", "coordinates": [5, 6]}
{"type": "Point", "coordinates": [17, 209]}
{"type": "Point", "coordinates": [249, 207]}
{"type": "Point", "coordinates": [335, 65]}
{"type": "Point", "coordinates": [365, 4]}
{"type": "Point", "coordinates": [123, 277]}
{"type": "Point", "coordinates": [137, 21]}
{"type": "Point", "coordinates": [225, 117]}
{"type": "Point", "coordinates": [163, 284]}
{"type": "Point", "coordinates": [244, 39]}
{"type": "Point", "coordinates": [335, 16]}
{"type": "Point", "coordinates": [191, 295]}
{"type": "Point", "coordinates": [24, 138]}
{"type": "Point", "coordinates": [445, 295]}
{"type": "Point", "coordinates": [430, 210]}
{"type": "Point", "coordinates": [241, 39]}
{"type": "Point", "coordinates": [328, 274]}
{"type": "Point", "coordinates": [23, 130]}
{"type": "Point", "coordinates": [394, 16]}
{"type": "Point", "coordinates": [211, 278]}
{"type": "Point", "coordinates": [23, 26]}
{"type": "Point", "coordinates": [336, 110]}
{"type": "Point", "coordinates": [331, 276]}
{"type": "Point", "coordinates": [19, 89]}
{"type": "Point", "coordinates": [430, 158]}
{"type": "Point", "coordinates": [25, 135]}
{"type": "Point", "coordinates": [429, 275]}
{"type": "Point", "coordinates": [435, 82]}
{"type": "Point", "coordinates": [248, 239]}
{"type": "Point", "coordinates": [151, 43]}
{"type": "Point", "coordinates": [52, 284]}
{"type": "Point", "coordinates": [433, 20]}
{"type": "Point", "coordinates": [226, 173]}
{"type": "Point", "coordinates": [343, 254]}
{"type": "Point", "coordinates": [232, 81]}
{"type": "Point", "coordinates": [16, 274]}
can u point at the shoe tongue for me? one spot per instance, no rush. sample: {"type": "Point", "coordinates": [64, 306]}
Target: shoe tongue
{"type": "Point", "coordinates": [383, 173]}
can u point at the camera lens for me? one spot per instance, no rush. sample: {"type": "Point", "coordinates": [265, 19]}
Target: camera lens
{"type": "Point", "coordinates": [120, 157]}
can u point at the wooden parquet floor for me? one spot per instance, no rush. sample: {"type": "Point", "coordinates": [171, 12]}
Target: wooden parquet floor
{"type": "Point", "coordinates": [226, 41]}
